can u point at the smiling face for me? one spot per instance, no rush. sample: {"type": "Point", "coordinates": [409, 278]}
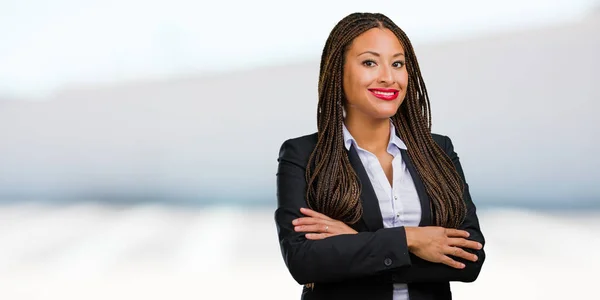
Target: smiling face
{"type": "Point", "coordinates": [375, 76]}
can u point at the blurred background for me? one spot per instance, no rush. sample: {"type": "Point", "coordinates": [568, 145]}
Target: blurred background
{"type": "Point", "coordinates": [138, 140]}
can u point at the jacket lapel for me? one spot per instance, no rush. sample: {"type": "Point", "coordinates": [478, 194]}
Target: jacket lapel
{"type": "Point", "coordinates": [371, 211]}
{"type": "Point", "coordinates": [425, 203]}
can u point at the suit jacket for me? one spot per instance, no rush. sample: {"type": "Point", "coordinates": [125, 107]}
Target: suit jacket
{"type": "Point", "coordinates": [364, 265]}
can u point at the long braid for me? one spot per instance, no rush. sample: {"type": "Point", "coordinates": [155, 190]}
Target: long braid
{"type": "Point", "coordinates": [442, 182]}
{"type": "Point", "coordinates": [333, 185]}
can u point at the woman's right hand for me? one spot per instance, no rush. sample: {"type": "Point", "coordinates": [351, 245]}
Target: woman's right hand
{"type": "Point", "coordinates": [434, 244]}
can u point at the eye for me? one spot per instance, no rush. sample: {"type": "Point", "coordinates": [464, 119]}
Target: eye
{"type": "Point", "coordinates": [369, 63]}
{"type": "Point", "coordinates": [398, 64]}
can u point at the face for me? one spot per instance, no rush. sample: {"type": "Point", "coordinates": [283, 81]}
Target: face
{"type": "Point", "coordinates": [375, 76]}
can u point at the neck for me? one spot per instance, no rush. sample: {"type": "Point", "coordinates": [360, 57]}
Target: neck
{"type": "Point", "coordinates": [372, 135]}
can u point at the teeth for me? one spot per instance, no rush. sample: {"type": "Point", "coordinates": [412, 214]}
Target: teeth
{"type": "Point", "coordinates": [384, 93]}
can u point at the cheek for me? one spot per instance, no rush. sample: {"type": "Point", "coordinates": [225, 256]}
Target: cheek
{"type": "Point", "coordinates": [353, 85]}
{"type": "Point", "coordinates": [403, 79]}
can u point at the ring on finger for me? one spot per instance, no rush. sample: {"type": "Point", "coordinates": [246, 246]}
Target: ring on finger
{"type": "Point", "coordinates": [326, 228]}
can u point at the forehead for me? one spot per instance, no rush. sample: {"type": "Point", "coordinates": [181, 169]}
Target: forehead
{"type": "Point", "coordinates": [380, 40]}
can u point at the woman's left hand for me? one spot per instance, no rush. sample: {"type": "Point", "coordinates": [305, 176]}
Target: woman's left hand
{"type": "Point", "coordinates": [320, 226]}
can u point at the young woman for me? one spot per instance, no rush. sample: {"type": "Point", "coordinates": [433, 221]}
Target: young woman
{"type": "Point", "coordinates": [373, 205]}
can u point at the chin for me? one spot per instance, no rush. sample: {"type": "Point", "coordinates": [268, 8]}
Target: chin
{"type": "Point", "coordinates": [385, 115]}
{"type": "Point", "coordinates": [388, 112]}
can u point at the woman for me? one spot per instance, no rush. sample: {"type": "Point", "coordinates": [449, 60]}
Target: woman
{"type": "Point", "coordinates": [373, 205]}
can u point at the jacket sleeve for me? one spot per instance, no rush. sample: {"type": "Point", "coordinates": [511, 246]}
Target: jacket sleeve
{"type": "Point", "coordinates": [332, 259]}
{"type": "Point", "coordinates": [424, 271]}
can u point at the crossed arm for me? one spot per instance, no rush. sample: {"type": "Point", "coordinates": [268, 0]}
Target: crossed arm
{"type": "Point", "coordinates": [340, 254]}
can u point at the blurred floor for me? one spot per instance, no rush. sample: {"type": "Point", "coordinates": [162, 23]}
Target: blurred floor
{"type": "Point", "coordinates": [90, 251]}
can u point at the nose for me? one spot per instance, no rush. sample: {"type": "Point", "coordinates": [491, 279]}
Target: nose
{"type": "Point", "coordinates": [385, 75]}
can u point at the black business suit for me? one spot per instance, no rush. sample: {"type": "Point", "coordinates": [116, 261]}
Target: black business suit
{"type": "Point", "coordinates": [363, 265]}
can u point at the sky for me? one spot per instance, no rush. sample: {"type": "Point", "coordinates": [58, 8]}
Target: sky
{"type": "Point", "coordinates": [47, 45]}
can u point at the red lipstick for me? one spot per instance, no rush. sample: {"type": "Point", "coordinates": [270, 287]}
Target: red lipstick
{"type": "Point", "coordinates": [385, 94]}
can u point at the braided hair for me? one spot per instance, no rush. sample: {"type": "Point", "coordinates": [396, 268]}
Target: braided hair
{"type": "Point", "coordinates": [333, 185]}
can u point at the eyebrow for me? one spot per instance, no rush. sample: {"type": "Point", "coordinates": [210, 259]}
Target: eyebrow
{"type": "Point", "coordinates": [377, 54]}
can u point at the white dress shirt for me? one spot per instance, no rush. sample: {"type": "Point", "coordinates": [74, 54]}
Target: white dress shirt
{"type": "Point", "coordinates": [399, 203]}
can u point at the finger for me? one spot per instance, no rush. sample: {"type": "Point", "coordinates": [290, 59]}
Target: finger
{"type": "Point", "coordinates": [459, 252]}
{"type": "Point", "coordinates": [317, 236]}
{"type": "Point", "coordinates": [307, 221]}
{"type": "Point", "coordinates": [317, 228]}
{"type": "Point", "coordinates": [463, 243]}
{"type": "Point", "coordinates": [457, 233]}
{"type": "Point", "coordinates": [314, 214]}
{"type": "Point", "coordinates": [451, 262]}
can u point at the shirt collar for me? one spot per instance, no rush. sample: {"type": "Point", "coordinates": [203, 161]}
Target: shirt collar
{"type": "Point", "coordinates": [394, 139]}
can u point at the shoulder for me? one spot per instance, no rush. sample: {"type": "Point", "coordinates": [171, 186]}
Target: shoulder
{"type": "Point", "coordinates": [443, 141]}
{"type": "Point", "coordinates": [298, 149]}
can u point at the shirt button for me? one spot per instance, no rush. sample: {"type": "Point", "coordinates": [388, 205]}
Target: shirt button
{"type": "Point", "coordinates": [397, 215]}
{"type": "Point", "coordinates": [387, 262]}
{"type": "Point", "coordinates": [395, 197]}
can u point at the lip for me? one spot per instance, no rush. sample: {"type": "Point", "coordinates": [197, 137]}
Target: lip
{"type": "Point", "coordinates": [385, 97]}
